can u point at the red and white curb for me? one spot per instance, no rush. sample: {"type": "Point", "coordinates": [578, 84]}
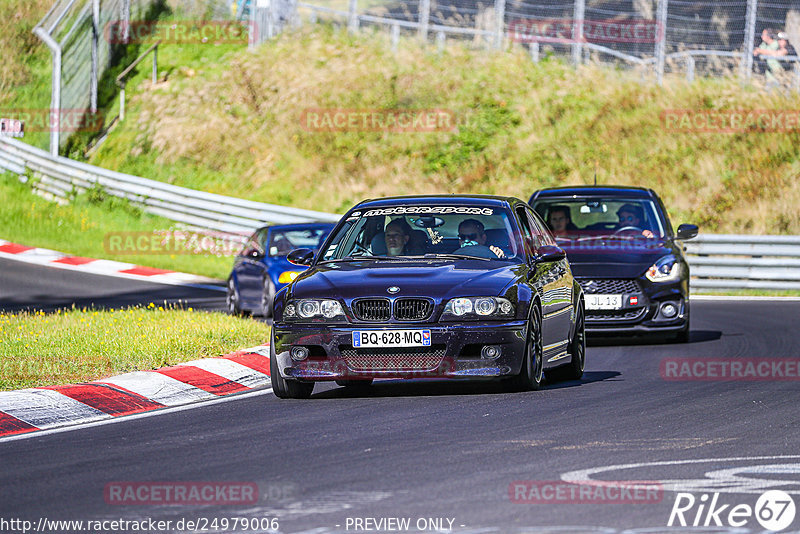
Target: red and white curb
{"type": "Point", "coordinates": [60, 260]}
{"type": "Point", "coordinates": [45, 408]}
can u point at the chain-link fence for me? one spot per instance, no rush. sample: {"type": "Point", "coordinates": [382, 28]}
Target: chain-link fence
{"type": "Point", "coordinates": [690, 37]}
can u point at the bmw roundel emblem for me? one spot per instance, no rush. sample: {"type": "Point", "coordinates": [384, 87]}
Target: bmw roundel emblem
{"type": "Point", "coordinates": [393, 289]}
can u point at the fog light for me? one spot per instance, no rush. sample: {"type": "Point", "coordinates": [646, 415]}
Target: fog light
{"type": "Point", "coordinates": [669, 310]}
{"type": "Point", "coordinates": [490, 352]}
{"type": "Point", "coordinates": [299, 353]}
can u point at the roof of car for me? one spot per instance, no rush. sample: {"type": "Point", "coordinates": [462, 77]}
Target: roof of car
{"type": "Point", "coordinates": [594, 190]}
{"type": "Point", "coordinates": [472, 200]}
{"type": "Point", "coordinates": [294, 226]}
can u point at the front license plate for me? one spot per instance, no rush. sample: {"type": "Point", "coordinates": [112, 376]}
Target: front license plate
{"type": "Point", "coordinates": [391, 338]}
{"type": "Point", "coordinates": [603, 302]}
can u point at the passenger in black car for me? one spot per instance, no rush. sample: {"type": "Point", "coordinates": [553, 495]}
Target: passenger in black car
{"type": "Point", "coordinates": [559, 219]}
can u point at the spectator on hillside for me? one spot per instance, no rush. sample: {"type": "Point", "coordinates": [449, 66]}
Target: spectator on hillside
{"type": "Point", "coordinates": [768, 47]}
{"type": "Point", "coordinates": [785, 48]}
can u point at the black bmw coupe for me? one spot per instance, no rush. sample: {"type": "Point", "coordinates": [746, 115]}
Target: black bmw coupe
{"type": "Point", "coordinates": [625, 255]}
{"type": "Point", "coordinates": [457, 287]}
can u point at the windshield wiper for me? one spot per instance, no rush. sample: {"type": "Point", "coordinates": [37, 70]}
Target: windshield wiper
{"type": "Point", "coordinates": [457, 256]}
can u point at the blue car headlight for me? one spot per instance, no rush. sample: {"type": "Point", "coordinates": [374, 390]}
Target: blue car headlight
{"type": "Point", "coordinates": [325, 309]}
{"type": "Point", "coordinates": [666, 269]}
{"type": "Point", "coordinates": [472, 308]}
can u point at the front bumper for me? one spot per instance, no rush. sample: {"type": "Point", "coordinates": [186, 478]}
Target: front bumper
{"type": "Point", "coordinates": [454, 351]}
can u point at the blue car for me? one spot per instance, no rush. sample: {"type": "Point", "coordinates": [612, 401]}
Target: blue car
{"type": "Point", "coordinates": [461, 287]}
{"type": "Point", "coordinates": [261, 268]}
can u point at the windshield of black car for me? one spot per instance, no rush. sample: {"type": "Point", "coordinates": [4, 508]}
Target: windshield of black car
{"type": "Point", "coordinates": [282, 242]}
{"type": "Point", "coordinates": [571, 218]}
{"type": "Point", "coordinates": [406, 233]}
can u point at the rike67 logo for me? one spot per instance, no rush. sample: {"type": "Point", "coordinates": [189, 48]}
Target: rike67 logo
{"type": "Point", "coordinates": [774, 510]}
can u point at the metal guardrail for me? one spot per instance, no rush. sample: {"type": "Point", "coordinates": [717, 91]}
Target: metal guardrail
{"type": "Point", "coordinates": [720, 261]}
{"type": "Point", "coordinates": [61, 177]}
{"type": "Point", "coordinates": [717, 261]}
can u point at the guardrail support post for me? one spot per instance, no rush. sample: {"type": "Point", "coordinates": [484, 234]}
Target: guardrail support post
{"type": "Point", "coordinates": [155, 65]}
{"type": "Point", "coordinates": [534, 49]}
{"type": "Point", "coordinates": [499, 23]}
{"type": "Point", "coordinates": [352, 16]}
{"type": "Point", "coordinates": [577, 31]}
{"type": "Point", "coordinates": [661, 43]}
{"type": "Point", "coordinates": [395, 36]}
{"type": "Point", "coordinates": [424, 18]}
{"type": "Point", "coordinates": [749, 41]}
{"type": "Point", "coordinates": [690, 69]}
{"type": "Point", "coordinates": [441, 40]}
{"type": "Point", "coordinates": [122, 103]}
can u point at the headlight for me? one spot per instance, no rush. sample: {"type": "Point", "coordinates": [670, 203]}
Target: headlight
{"type": "Point", "coordinates": [667, 269]}
{"type": "Point", "coordinates": [311, 308]}
{"type": "Point", "coordinates": [471, 308]}
{"type": "Point", "coordinates": [288, 276]}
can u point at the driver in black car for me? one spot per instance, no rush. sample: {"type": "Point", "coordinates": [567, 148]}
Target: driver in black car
{"type": "Point", "coordinates": [471, 234]}
{"type": "Point", "coordinates": [631, 217]}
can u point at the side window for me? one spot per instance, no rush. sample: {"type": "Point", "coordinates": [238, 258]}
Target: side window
{"type": "Point", "coordinates": [528, 237]}
{"type": "Point", "coordinates": [540, 229]}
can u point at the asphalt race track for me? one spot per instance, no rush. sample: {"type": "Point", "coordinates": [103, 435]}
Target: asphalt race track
{"type": "Point", "coordinates": [428, 450]}
{"type": "Point", "coordinates": [26, 286]}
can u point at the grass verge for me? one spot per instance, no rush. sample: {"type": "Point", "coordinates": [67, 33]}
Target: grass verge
{"type": "Point", "coordinates": [83, 228]}
{"type": "Point", "coordinates": [72, 346]}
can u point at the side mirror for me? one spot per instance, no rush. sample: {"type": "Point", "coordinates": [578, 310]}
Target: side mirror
{"type": "Point", "coordinates": [550, 253]}
{"type": "Point", "coordinates": [686, 231]}
{"type": "Point", "coordinates": [301, 256]}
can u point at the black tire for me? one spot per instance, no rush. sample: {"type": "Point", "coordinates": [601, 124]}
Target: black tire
{"type": "Point", "coordinates": [531, 374]}
{"type": "Point", "coordinates": [267, 296]}
{"type": "Point", "coordinates": [577, 348]}
{"type": "Point", "coordinates": [354, 383]}
{"type": "Point", "coordinates": [286, 389]}
{"type": "Point", "coordinates": [232, 299]}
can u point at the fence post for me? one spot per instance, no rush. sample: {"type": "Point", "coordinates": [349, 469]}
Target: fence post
{"type": "Point", "coordinates": [95, 48]}
{"type": "Point", "coordinates": [577, 30]}
{"type": "Point", "coordinates": [690, 69]}
{"type": "Point", "coordinates": [441, 40]}
{"type": "Point", "coordinates": [661, 43]}
{"type": "Point", "coordinates": [424, 18]}
{"type": "Point", "coordinates": [126, 20]}
{"type": "Point", "coordinates": [499, 22]}
{"type": "Point", "coordinates": [352, 17]}
{"type": "Point", "coordinates": [749, 41]}
{"type": "Point", "coordinates": [534, 52]}
{"type": "Point", "coordinates": [796, 78]}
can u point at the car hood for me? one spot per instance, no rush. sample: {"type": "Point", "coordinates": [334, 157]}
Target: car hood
{"type": "Point", "coordinates": [432, 279]}
{"type": "Point", "coordinates": [615, 259]}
